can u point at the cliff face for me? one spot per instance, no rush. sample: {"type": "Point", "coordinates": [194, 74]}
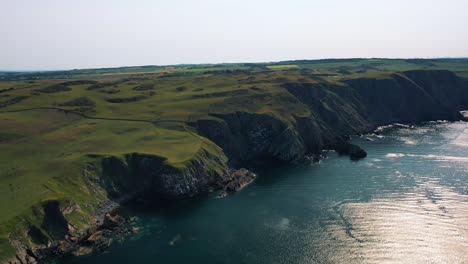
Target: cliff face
{"type": "Point", "coordinates": [249, 136]}
{"type": "Point", "coordinates": [336, 110]}
{"type": "Point", "coordinates": [413, 96]}
{"type": "Point", "coordinates": [150, 176]}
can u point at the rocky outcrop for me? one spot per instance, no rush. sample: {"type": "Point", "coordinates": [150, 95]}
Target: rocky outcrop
{"type": "Point", "coordinates": [238, 180]}
{"type": "Point", "coordinates": [96, 238]}
{"type": "Point", "coordinates": [353, 151]}
{"type": "Point", "coordinates": [152, 176]}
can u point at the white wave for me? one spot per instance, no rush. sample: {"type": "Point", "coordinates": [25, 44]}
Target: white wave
{"type": "Point", "coordinates": [462, 139]}
{"type": "Point", "coordinates": [382, 128]}
{"type": "Point", "coordinates": [430, 156]}
{"type": "Point", "coordinates": [408, 141]}
{"type": "Point", "coordinates": [395, 155]}
{"type": "Point", "coordinates": [397, 125]}
{"type": "Point", "coordinates": [438, 122]}
{"type": "Point", "coordinates": [442, 158]}
{"type": "Point", "coordinates": [372, 135]}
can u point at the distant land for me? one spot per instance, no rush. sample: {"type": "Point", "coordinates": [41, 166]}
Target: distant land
{"type": "Point", "coordinates": [76, 145]}
{"type": "Point", "coordinates": [230, 65]}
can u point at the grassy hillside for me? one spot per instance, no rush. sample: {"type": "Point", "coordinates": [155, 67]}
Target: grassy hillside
{"type": "Point", "coordinates": [43, 153]}
{"type": "Point", "coordinates": [52, 124]}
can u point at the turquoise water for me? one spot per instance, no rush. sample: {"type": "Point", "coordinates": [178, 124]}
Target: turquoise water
{"type": "Point", "coordinates": [407, 202]}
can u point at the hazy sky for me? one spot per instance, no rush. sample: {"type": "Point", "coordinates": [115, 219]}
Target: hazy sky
{"type": "Point", "coordinates": [66, 34]}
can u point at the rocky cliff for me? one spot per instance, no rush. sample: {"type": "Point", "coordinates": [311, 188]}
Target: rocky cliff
{"type": "Point", "coordinates": [352, 106]}
{"type": "Point", "coordinates": [150, 176]}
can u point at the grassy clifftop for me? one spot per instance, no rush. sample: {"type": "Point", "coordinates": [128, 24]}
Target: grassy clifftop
{"type": "Point", "coordinates": [43, 154]}
{"type": "Point", "coordinates": [70, 141]}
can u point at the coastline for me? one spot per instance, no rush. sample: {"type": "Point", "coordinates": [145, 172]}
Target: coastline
{"type": "Point", "coordinates": [330, 115]}
{"type": "Point", "coordinates": [109, 224]}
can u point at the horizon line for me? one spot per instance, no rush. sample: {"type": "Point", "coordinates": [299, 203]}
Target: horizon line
{"type": "Point", "coordinates": [220, 63]}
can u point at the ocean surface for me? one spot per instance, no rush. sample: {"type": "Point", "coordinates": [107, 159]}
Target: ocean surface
{"type": "Point", "coordinates": [407, 202]}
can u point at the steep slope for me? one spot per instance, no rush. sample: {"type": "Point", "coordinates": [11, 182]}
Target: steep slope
{"type": "Point", "coordinates": [353, 106]}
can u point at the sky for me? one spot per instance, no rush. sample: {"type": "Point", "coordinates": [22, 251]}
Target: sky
{"type": "Point", "coordinates": [66, 34]}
